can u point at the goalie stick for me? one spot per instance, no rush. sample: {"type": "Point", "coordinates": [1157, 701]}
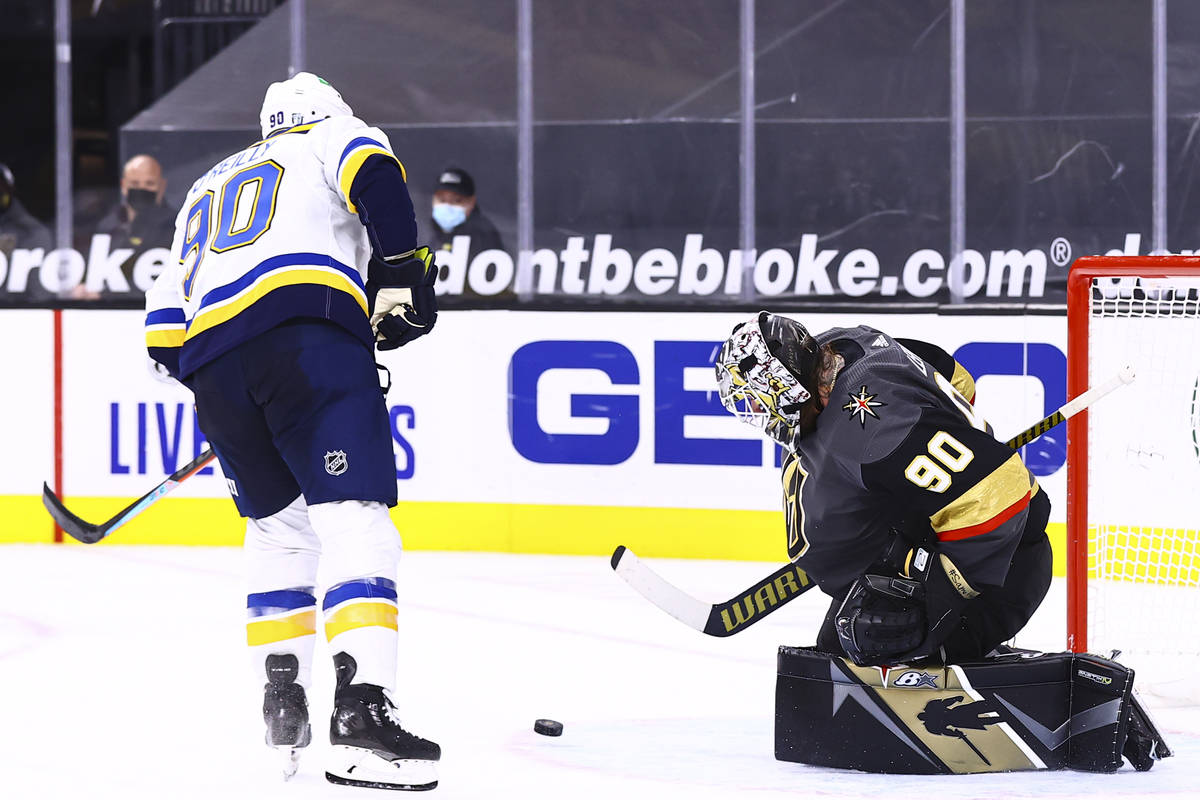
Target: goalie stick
{"type": "Point", "coordinates": [789, 581]}
{"type": "Point", "coordinates": [721, 619]}
{"type": "Point", "coordinates": [1070, 409]}
{"type": "Point", "coordinates": [88, 533]}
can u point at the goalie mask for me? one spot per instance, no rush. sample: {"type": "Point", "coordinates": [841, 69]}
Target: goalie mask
{"type": "Point", "coordinates": [764, 374]}
{"type": "Point", "coordinates": [302, 98]}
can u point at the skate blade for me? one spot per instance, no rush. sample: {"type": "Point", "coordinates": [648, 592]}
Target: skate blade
{"type": "Point", "coordinates": [289, 760]}
{"type": "Point", "coordinates": [356, 766]}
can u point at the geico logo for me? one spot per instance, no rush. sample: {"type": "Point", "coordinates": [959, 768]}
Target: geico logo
{"type": "Point", "coordinates": [1041, 361]}
{"type": "Point", "coordinates": [612, 365]}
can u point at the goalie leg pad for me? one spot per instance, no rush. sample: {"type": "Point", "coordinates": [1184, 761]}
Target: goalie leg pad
{"type": "Point", "coordinates": [1016, 711]}
{"type": "Point", "coordinates": [1144, 745]}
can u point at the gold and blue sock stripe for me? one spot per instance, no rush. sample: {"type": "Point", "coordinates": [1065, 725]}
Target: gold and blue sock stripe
{"type": "Point", "coordinates": [355, 154]}
{"type": "Point", "coordinates": [280, 615]}
{"type": "Point", "coordinates": [360, 603]}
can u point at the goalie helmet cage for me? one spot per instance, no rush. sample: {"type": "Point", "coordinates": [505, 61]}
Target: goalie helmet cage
{"type": "Point", "coordinates": [1133, 466]}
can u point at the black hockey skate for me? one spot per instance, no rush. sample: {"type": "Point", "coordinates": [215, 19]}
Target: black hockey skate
{"type": "Point", "coordinates": [370, 748]}
{"type": "Point", "coordinates": [285, 710]}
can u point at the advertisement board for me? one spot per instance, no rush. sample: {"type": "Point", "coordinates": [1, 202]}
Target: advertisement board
{"type": "Point", "coordinates": [522, 431]}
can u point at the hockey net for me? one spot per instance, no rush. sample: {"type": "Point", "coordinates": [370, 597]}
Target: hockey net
{"type": "Point", "coordinates": [1133, 479]}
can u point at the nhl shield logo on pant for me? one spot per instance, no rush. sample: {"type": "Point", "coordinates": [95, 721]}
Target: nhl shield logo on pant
{"type": "Point", "coordinates": [336, 462]}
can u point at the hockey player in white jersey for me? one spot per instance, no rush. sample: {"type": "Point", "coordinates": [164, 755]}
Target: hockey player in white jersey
{"type": "Point", "coordinates": [293, 259]}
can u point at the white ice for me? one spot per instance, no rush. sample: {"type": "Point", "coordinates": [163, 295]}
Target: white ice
{"type": "Point", "coordinates": [122, 675]}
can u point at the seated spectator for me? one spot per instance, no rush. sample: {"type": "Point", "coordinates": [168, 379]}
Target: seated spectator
{"type": "Point", "coordinates": [456, 213]}
{"type": "Point", "coordinates": [19, 228]}
{"type": "Point", "coordinates": [141, 219]}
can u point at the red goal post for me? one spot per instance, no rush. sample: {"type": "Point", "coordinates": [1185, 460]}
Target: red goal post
{"type": "Point", "coordinates": [1117, 289]}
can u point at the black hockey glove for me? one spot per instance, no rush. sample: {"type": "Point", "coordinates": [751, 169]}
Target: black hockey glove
{"type": "Point", "coordinates": [890, 619]}
{"type": "Point", "coordinates": [403, 305]}
{"type": "Point", "coordinates": [880, 617]}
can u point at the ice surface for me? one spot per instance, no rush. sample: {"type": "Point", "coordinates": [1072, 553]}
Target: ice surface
{"type": "Point", "coordinates": [123, 675]}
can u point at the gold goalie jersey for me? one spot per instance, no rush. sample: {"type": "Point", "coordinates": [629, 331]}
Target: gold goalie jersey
{"type": "Point", "coordinates": [899, 447]}
{"type": "Point", "coordinates": [266, 235]}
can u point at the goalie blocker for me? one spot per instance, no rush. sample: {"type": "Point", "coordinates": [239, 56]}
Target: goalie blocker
{"type": "Point", "coordinates": [1017, 711]}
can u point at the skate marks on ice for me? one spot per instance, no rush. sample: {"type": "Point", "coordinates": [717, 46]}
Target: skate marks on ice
{"type": "Point", "coordinates": [133, 659]}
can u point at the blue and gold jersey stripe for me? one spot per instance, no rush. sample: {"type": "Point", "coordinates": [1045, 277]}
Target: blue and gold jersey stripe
{"type": "Point", "coordinates": [165, 327]}
{"type": "Point", "coordinates": [353, 156]}
{"type": "Point", "coordinates": [283, 287]}
{"type": "Point", "coordinates": [224, 303]}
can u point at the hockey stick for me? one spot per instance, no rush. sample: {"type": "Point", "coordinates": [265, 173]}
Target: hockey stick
{"type": "Point", "coordinates": [789, 581]}
{"type": "Point", "coordinates": [88, 533]}
{"type": "Point", "coordinates": [1073, 407]}
{"type": "Point", "coordinates": [722, 619]}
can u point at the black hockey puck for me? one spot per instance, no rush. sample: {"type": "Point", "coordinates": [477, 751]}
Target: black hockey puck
{"type": "Point", "coordinates": [548, 727]}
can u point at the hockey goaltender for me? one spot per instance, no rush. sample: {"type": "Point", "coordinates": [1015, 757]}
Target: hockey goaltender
{"type": "Point", "coordinates": [930, 536]}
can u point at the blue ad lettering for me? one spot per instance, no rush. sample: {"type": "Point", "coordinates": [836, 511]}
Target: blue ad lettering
{"type": "Point", "coordinates": [170, 452]}
{"type": "Point", "coordinates": [1046, 454]}
{"type": "Point", "coordinates": [613, 446]}
{"type": "Point", "coordinates": [673, 403]}
{"type": "Point", "coordinates": [410, 458]}
{"type": "Point", "coordinates": [199, 441]}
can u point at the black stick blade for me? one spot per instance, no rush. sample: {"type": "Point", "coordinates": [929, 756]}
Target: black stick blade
{"type": "Point", "coordinates": [75, 527]}
{"type": "Point", "coordinates": [777, 589]}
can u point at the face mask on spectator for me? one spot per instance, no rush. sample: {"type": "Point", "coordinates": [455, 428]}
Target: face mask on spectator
{"type": "Point", "coordinates": [449, 216]}
{"type": "Point", "coordinates": [141, 199]}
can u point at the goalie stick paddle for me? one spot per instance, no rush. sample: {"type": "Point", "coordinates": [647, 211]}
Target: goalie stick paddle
{"type": "Point", "coordinates": [789, 581]}
{"type": "Point", "coordinates": [88, 533]}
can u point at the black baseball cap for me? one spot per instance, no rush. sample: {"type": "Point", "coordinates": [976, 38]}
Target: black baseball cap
{"type": "Point", "coordinates": [459, 181]}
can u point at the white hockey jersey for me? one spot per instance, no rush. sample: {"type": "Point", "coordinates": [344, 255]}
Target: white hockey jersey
{"type": "Point", "coordinates": [266, 235]}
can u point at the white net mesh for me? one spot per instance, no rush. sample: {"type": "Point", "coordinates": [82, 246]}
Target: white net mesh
{"type": "Point", "coordinates": [1143, 480]}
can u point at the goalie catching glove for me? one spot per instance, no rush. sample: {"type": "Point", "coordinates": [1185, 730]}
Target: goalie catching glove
{"type": "Point", "coordinates": [892, 619]}
{"type": "Point", "coordinates": [403, 305]}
